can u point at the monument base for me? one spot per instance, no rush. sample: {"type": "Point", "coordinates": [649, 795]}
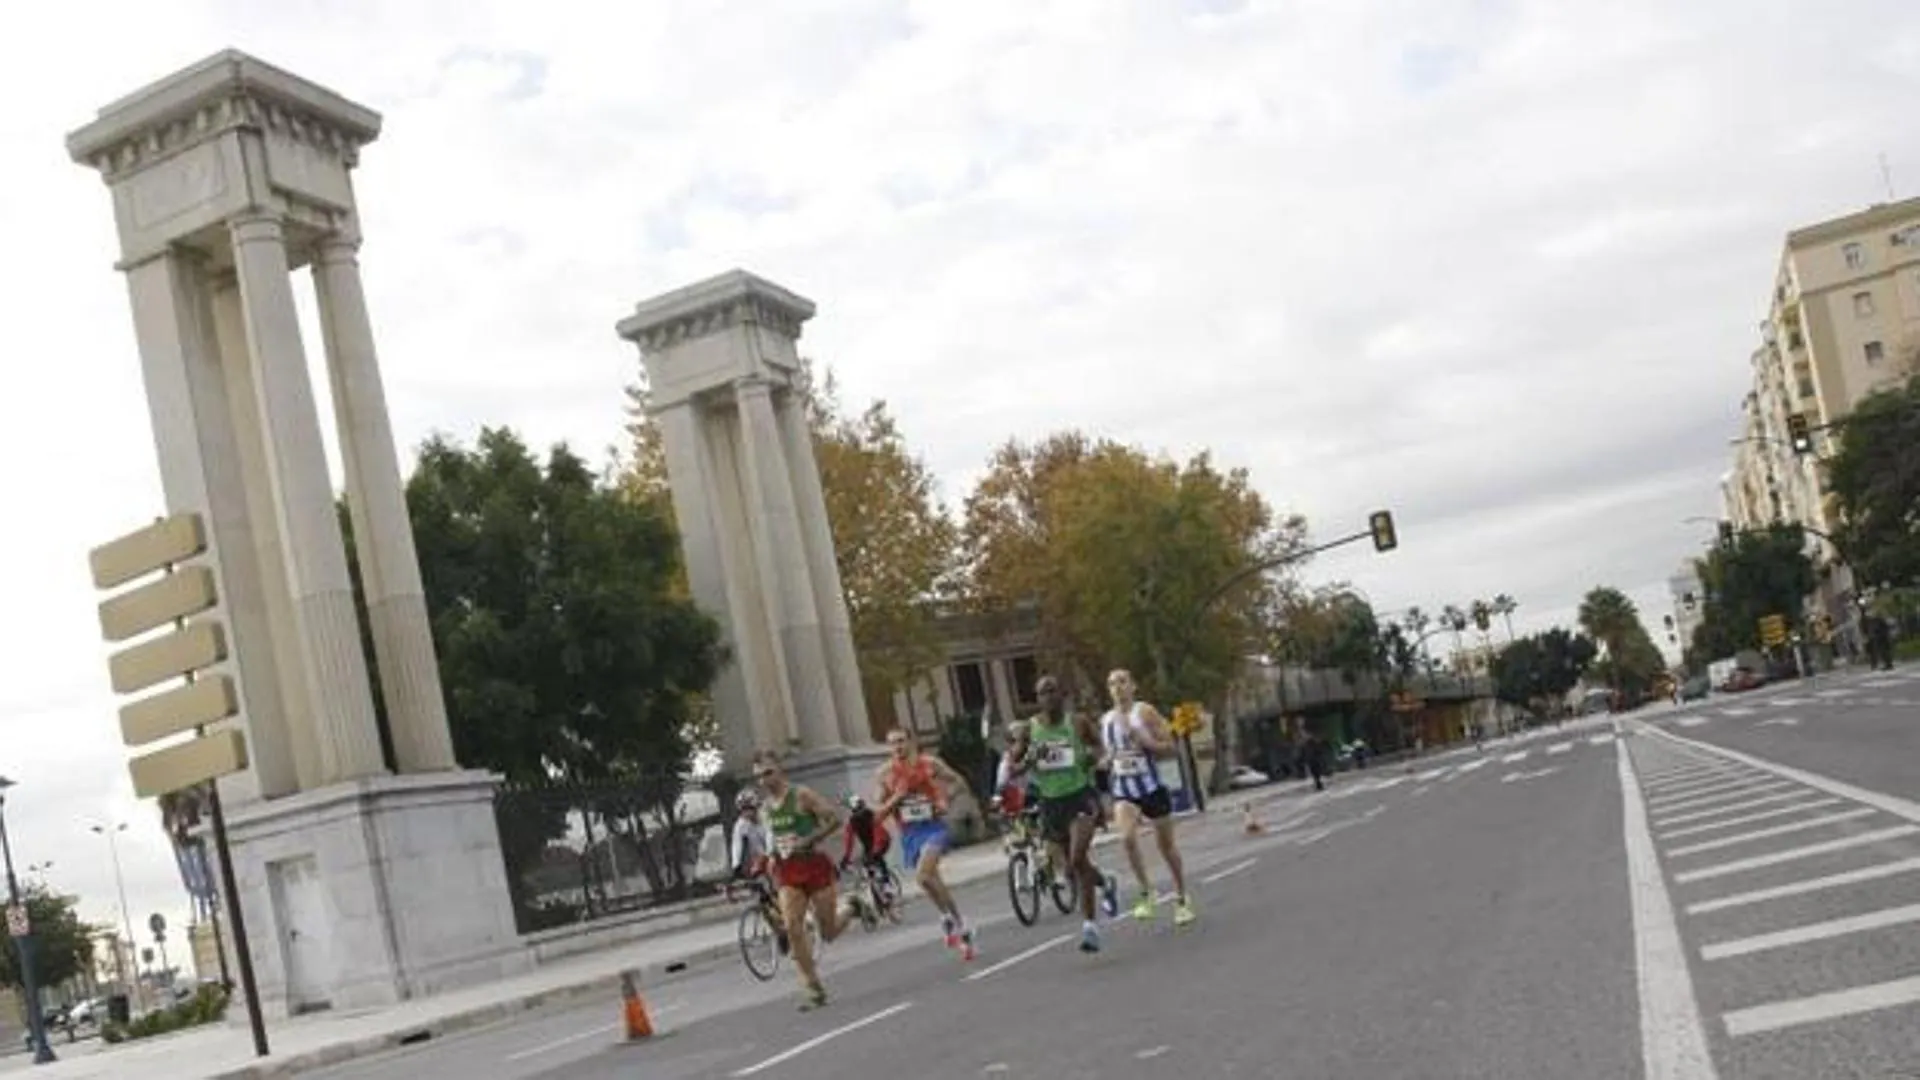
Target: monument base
{"type": "Point", "coordinates": [374, 891]}
{"type": "Point", "coordinates": [838, 770]}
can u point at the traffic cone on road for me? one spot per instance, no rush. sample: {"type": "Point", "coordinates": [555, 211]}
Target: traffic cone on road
{"type": "Point", "coordinates": [1249, 822]}
{"type": "Point", "coordinates": [639, 1024]}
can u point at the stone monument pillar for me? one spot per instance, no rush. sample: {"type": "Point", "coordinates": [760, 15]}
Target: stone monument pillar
{"type": "Point", "coordinates": [721, 362]}
{"type": "Point", "coordinates": [365, 880]}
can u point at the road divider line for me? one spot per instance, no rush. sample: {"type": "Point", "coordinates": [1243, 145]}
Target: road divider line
{"type": "Point", "coordinates": [824, 1038]}
{"type": "Point", "coordinates": [1819, 1007]}
{"type": "Point", "coordinates": [1472, 765]}
{"type": "Point", "coordinates": [1518, 756]}
{"type": "Point", "coordinates": [604, 1029]}
{"type": "Point", "coordinates": [1245, 864]}
{"type": "Point", "coordinates": [1559, 748]}
{"type": "Point", "coordinates": [1810, 885]}
{"type": "Point", "coordinates": [1748, 819]}
{"type": "Point", "coordinates": [1673, 1041]}
{"type": "Point", "coordinates": [1820, 931]}
{"type": "Point", "coordinates": [1892, 804]}
{"type": "Point", "coordinates": [1599, 740]}
{"type": "Point", "coordinates": [1775, 858]}
{"type": "Point", "coordinates": [1731, 808]}
{"type": "Point", "coordinates": [1820, 822]}
{"type": "Point", "coordinates": [1020, 957]}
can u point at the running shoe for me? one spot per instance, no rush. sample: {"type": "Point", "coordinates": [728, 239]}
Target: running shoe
{"type": "Point", "coordinates": [1089, 938]}
{"type": "Point", "coordinates": [1183, 913]}
{"type": "Point", "coordinates": [1144, 906]}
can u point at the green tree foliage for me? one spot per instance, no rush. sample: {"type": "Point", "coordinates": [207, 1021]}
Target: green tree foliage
{"type": "Point", "coordinates": [63, 945]}
{"type": "Point", "coordinates": [1334, 629]}
{"type": "Point", "coordinates": [894, 542]}
{"type": "Point", "coordinates": [1538, 671]}
{"type": "Point", "coordinates": [564, 653]}
{"type": "Point", "coordinates": [1124, 555]}
{"type": "Point", "coordinates": [1875, 480]}
{"type": "Point", "coordinates": [1632, 661]}
{"type": "Point", "coordinates": [1764, 572]}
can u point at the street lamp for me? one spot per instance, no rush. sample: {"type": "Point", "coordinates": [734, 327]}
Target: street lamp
{"type": "Point", "coordinates": [22, 933]}
{"type": "Point", "coordinates": [126, 913]}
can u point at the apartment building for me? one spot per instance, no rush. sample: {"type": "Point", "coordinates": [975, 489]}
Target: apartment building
{"type": "Point", "coordinates": [1689, 603]}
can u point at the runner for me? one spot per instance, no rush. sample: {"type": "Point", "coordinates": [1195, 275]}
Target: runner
{"type": "Point", "coordinates": [1136, 736]}
{"type": "Point", "coordinates": [1060, 750]}
{"type": "Point", "coordinates": [799, 818]}
{"type": "Point", "coordinates": [910, 792]}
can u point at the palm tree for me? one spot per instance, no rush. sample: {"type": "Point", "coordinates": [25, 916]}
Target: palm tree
{"type": "Point", "coordinates": [1504, 606]}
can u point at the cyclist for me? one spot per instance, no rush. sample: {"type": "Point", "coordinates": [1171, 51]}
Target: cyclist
{"type": "Point", "coordinates": [865, 828]}
{"type": "Point", "coordinates": [910, 791]}
{"type": "Point", "coordinates": [748, 862]}
{"type": "Point", "coordinates": [1136, 736]}
{"type": "Point", "coordinates": [1060, 749]}
{"type": "Point", "coordinates": [799, 819]}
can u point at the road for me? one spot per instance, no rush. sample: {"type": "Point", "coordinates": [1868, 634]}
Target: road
{"type": "Point", "coordinates": [1690, 893]}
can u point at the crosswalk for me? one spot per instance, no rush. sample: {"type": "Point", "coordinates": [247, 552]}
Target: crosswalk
{"type": "Point", "coordinates": [1510, 764]}
{"type": "Point", "coordinates": [1795, 894]}
{"type": "Point", "coordinates": [1897, 689]}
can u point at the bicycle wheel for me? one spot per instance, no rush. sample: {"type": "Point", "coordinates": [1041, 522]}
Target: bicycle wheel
{"type": "Point", "coordinates": [890, 900]}
{"type": "Point", "coordinates": [1023, 888]}
{"type": "Point", "coordinates": [758, 947]}
{"type": "Point", "coordinates": [1065, 889]}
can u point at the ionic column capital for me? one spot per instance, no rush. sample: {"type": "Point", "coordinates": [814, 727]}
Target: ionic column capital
{"type": "Point", "coordinates": [337, 250]}
{"type": "Point", "coordinates": [257, 227]}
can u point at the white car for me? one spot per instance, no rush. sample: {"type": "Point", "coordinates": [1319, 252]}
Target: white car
{"type": "Point", "coordinates": [1244, 776]}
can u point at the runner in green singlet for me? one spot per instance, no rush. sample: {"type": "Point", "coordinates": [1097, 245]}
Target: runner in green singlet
{"type": "Point", "coordinates": [1060, 751]}
{"type": "Point", "coordinates": [799, 819]}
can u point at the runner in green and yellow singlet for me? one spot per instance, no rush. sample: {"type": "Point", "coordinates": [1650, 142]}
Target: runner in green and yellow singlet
{"type": "Point", "coordinates": [1060, 751]}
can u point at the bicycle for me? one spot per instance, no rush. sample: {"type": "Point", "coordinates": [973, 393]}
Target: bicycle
{"type": "Point", "coordinates": [1028, 878]}
{"type": "Point", "coordinates": [882, 891]}
{"type": "Point", "coordinates": [762, 932]}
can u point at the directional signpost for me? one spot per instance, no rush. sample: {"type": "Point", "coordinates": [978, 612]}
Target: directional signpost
{"type": "Point", "coordinates": [183, 650]}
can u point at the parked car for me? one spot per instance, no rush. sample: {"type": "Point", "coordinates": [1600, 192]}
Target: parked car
{"type": "Point", "coordinates": [1695, 688]}
{"type": "Point", "coordinates": [1246, 776]}
{"type": "Point", "coordinates": [1742, 679]}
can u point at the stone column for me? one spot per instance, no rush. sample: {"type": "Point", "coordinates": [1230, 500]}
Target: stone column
{"type": "Point", "coordinates": [783, 566]}
{"type": "Point", "coordinates": [829, 595]}
{"type": "Point", "coordinates": [383, 533]}
{"type": "Point", "coordinates": [335, 675]}
{"type": "Point", "coordinates": [193, 434]}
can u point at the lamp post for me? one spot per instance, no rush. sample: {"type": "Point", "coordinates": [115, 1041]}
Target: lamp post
{"type": "Point", "coordinates": [22, 933]}
{"type": "Point", "coordinates": [126, 914]}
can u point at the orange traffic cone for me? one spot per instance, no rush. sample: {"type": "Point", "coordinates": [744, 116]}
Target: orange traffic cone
{"type": "Point", "coordinates": [1250, 823]}
{"type": "Point", "coordinates": [639, 1024]}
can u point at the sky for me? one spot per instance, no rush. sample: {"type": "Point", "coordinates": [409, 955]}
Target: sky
{"type": "Point", "coordinates": [1494, 264]}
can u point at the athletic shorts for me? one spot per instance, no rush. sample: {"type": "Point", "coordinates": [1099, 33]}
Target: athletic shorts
{"type": "Point", "coordinates": [1154, 805]}
{"type": "Point", "coordinates": [1057, 815]}
{"type": "Point", "coordinates": [917, 836]}
{"type": "Point", "coordinates": [809, 873]}
{"type": "Point", "coordinates": [1103, 781]}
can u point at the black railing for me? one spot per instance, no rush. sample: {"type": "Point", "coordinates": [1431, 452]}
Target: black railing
{"type": "Point", "coordinates": [579, 852]}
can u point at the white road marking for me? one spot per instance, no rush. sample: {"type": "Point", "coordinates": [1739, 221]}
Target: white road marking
{"type": "Point", "coordinates": [1748, 819]}
{"type": "Point", "coordinates": [1513, 757]}
{"type": "Point", "coordinates": [1673, 1041]}
{"type": "Point", "coordinates": [1779, 721]}
{"type": "Point", "coordinates": [1559, 748]}
{"type": "Point", "coordinates": [824, 1038]}
{"type": "Point", "coordinates": [1695, 784]}
{"type": "Point", "coordinates": [1151, 1052]}
{"type": "Point", "coordinates": [1228, 872]}
{"type": "Point", "coordinates": [1472, 765]}
{"type": "Point", "coordinates": [1843, 692]}
{"type": "Point", "coordinates": [556, 1044]}
{"type": "Point", "coordinates": [1820, 931]}
{"type": "Point", "coordinates": [1421, 790]}
{"type": "Point", "coordinates": [1892, 804]}
{"type": "Point", "coordinates": [1050, 943]}
{"type": "Point", "coordinates": [1787, 702]}
{"type": "Point", "coordinates": [1429, 774]}
{"type": "Point", "coordinates": [1524, 775]}
{"type": "Point", "coordinates": [1809, 885]}
{"type": "Point", "coordinates": [1809, 1010]}
{"type": "Point", "coordinates": [1692, 721]}
{"type": "Point", "coordinates": [1395, 782]}
{"type": "Point", "coordinates": [1737, 711]}
{"type": "Point", "coordinates": [1765, 800]}
{"type": "Point", "coordinates": [1680, 777]}
{"type": "Point", "coordinates": [1775, 858]}
{"type": "Point", "coordinates": [1721, 793]}
{"type": "Point", "coordinates": [1772, 831]}
{"type": "Point", "coordinates": [1599, 740]}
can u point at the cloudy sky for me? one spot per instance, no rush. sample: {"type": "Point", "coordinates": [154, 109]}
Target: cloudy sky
{"type": "Point", "coordinates": [1495, 264]}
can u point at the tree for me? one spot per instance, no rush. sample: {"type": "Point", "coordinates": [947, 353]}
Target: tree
{"type": "Point", "coordinates": [564, 653]}
{"type": "Point", "coordinates": [62, 944]}
{"type": "Point", "coordinates": [1875, 479]}
{"type": "Point", "coordinates": [1335, 629]}
{"type": "Point", "coordinates": [1537, 671]}
{"type": "Point", "coordinates": [1632, 661]}
{"type": "Point", "coordinates": [1763, 572]}
{"type": "Point", "coordinates": [1124, 556]}
{"type": "Point", "coordinates": [894, 542]}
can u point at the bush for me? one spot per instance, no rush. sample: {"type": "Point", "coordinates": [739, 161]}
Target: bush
{"type": "Point", "coordinates": [207, 1005]}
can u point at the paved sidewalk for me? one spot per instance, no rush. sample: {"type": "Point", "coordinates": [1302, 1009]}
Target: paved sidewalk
{"type": "Point", "coordinates": [225, 1051]}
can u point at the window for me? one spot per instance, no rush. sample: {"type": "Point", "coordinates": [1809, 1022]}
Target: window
{"type": "Point", "coordinates": [1806, 389]}
{"type": "Point", "coordinates": [1863, 305]}
{"type": "Point", "coordinates": [1024, 671]}
{"type": "Point", "coordinates": [970, 688]}
{"type": "Point", "coordinates": [1855, 255]}
{"type": "Point", "coordinates": [1876, 352]}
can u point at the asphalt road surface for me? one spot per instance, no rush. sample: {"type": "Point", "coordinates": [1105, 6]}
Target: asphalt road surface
{"type": "Point", "coordinates": [1695, 893]}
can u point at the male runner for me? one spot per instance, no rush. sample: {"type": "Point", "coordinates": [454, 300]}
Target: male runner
{"type": "Point", "coordinates": [798, 819]}
{"type": "Point", "coordinates": [1061, 751]}
{"type": "Point", "coordinates": [910, 791]}
{"type": "Point", "coordinates": [1136, 736]}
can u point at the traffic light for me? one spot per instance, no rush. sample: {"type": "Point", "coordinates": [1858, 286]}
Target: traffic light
{"type": "Point", "coordinates": [1482, 618]}
{"type": "Point", "coordinates": [1799, 434]}
{"type": "Point", "coordinates": [1380, 523]}
{"type": "Point", "coordinates": [1726, 534]}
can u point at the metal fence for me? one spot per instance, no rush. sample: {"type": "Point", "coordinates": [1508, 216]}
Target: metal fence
{"type": "Point", "coordinates": [579, 852]}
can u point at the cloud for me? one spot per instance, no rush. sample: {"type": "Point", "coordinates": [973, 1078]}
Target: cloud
{"type": "Point", "coordinates": [1493, 263]}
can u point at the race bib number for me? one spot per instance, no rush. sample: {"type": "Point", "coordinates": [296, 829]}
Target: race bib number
{"type": "Point", "coordinates": [916, 810]}
{"type": "Point", "coordinates": [1057, 756]}
{"type": "Point", "coordinates": [1129, 763]}
{"type": "Point", "coordinates": [786, 845]}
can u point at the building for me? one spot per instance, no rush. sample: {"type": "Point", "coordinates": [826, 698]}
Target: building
{"type": "Point", "coordinates": [1843, 321]}
{"type": "Point", "coordinates": [989, 667]}
{"type": "Point", "coordinates": [1689, 603]}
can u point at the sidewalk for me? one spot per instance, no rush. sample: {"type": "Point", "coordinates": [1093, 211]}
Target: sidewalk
{"type": "Point", "coordinates": [225, 1051]}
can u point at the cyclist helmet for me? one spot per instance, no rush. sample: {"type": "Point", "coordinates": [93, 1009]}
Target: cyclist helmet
{"type": "Point", "coordinates": [855, 802]}
{"type": "Point", "coordinates": [746, 801]}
